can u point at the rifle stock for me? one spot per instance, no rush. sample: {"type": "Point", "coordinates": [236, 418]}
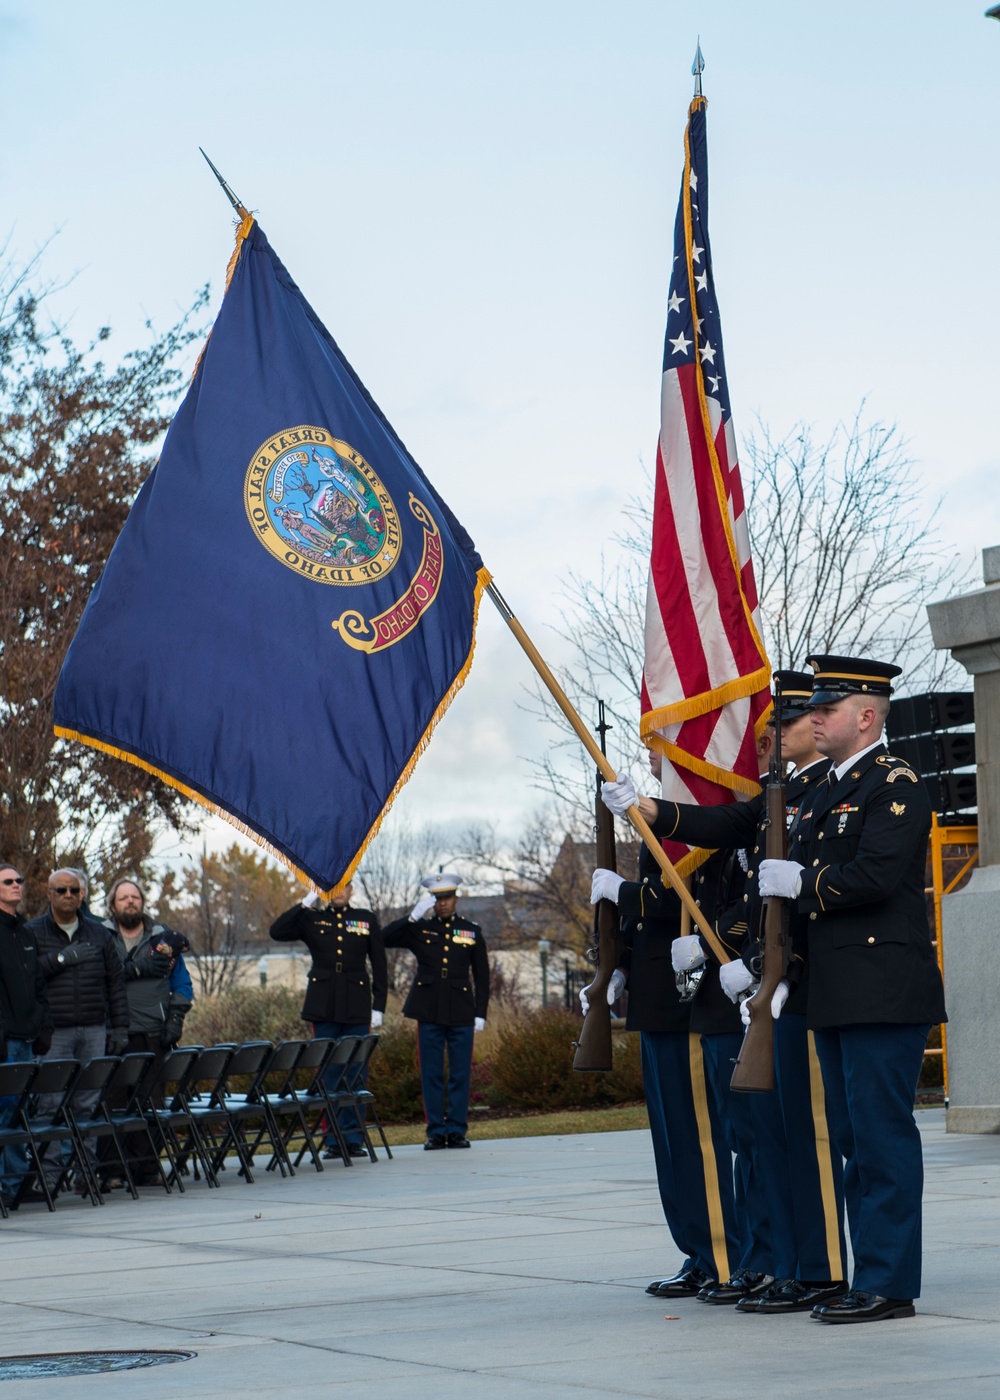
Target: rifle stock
{"type": "Point", "coordinates": [754, 1071]}
{"type": "Point", "coordinates": [593, 1049]}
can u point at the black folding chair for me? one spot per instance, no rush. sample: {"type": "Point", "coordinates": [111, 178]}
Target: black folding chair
{"type": "Point", "coordinates": [94, 1078]}
{"type": "Point", "coordinates": [326, 1085]}
{"type": "Point", "coordinates": [230, 1109]}
{"type": "Point", "coordinates": [160, 1100]}
{"type": "Point", "coordinates": [123, 1114]}
{"type": "Point", "coordinates": [312, 1101]}
{"type": "Point", "coordinates": [54, 1078]}
{"type": "Point", "coordinates": [15, 1093]}
{"type": "Point", "coordinates": [360, 1098]}
{"type": "Point", "coordinates": [276, 1088]}
{"type": "Point", "coordinates": [199, 1095]}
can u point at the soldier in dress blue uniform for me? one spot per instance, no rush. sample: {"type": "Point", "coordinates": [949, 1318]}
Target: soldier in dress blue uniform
{"type": "Point", "coordinates": [855, 871]}
{"type": "Point", "coordinates": [341, 999]}
{"type": "Point", "coordinates": [690, 1145]}
{"type": "Point", "coordinates": [448, 1000]}
{"type": "Point", "coordinates": [789, 1182]}
{"type": "Point", "coordinates": [715, 1019]}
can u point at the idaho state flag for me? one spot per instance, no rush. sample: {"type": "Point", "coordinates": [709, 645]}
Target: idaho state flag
{"type": "Point", "coordinates": [291, 606]}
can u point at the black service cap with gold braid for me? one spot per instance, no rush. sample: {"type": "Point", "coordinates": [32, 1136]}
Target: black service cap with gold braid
{"type": "Point", "coordinates": [839, 676]}
{"type": "Point", "coordinates": [796, 688]}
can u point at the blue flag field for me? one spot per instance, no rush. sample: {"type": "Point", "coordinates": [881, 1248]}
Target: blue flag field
{"type": "Point", "coordinates": [291, 606]}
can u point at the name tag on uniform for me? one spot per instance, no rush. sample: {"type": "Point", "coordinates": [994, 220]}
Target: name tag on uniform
{"type": "Point", "coordinates": [462, 936]}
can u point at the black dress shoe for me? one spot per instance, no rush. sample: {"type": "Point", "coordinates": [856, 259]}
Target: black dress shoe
{"type": "Point", "coordinates": [745, 1283]}
{"type": "Point", "coordinates": [356, 1149]}
{"type": "Point", "coordinates": [775, 1289]}
{"type": "Point", "coordinates": [859, 1306]}
{"type": "Point", "coordinates": [435, 1144]}
{"type": "Point", "coordinates": [458, 1140]}
{"type": "Point", "coordinates": [791, 1295]}
{"type": "Point", "coordinates": [332, 1154]}
{"type": "Point", "coordinates": [684, 1284]}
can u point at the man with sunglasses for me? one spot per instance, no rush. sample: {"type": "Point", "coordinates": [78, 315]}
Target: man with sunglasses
{"type": "Point", "coordinates": [25, 1023]}
{"type": "Point", "coordinates": [85, 987]}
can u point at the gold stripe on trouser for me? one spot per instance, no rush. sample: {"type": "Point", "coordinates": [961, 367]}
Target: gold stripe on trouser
{"type": "Point", "coordinates": [824, 1160]}
{"type": "Point", "coordinates": [707, 1144]}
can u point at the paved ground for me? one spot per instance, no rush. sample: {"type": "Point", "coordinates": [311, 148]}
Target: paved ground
{"type": "Point", "coordinates": [514, 1270]}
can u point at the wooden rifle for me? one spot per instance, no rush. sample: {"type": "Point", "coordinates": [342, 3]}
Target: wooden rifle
{"type": "Point", "coordinates": [754, 1071]}
{"type": "Point", "coordinates": [593, 1049]}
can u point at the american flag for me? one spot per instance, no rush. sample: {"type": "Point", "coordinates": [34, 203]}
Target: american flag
{"type": "Point", "coordinates": [705, 680]}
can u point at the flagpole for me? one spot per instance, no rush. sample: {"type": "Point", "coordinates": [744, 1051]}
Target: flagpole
{"type": "Point", "coordinates": [586, 738]}
{"type": "Point", "coordinates": [697, 68]}
{"type": "Point", "coordinates": [243, 212]}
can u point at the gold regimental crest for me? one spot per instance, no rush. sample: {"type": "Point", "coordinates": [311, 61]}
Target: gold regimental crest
{"type": "Point", "coordinates": [319, 508]}
{"type": "Point", "coordinates": [897, 808]}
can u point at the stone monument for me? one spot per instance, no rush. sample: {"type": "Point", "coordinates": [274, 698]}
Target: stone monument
{"type": "Point", "coordinates": [969, 627]}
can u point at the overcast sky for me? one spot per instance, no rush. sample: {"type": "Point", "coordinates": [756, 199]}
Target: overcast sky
{"type": "Point", "coordinates": [478, 200]}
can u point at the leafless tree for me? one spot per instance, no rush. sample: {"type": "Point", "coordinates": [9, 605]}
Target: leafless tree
{"type": "Point", "coordinates": [390, 872]}
{"type": "Point", "coordinates": [546, 877]}
{"type": "Point", "coordinates": [846, 556]}
{"type": "Point", "coordinates": [845, 553]}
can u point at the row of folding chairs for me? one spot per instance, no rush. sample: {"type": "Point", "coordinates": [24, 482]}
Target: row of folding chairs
{"type": "Point", "coordinates": [191, 1111]}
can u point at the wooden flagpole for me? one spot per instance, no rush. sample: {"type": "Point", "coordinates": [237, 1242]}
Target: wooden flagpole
{"type": "Point", "coordinates": [586, 738]}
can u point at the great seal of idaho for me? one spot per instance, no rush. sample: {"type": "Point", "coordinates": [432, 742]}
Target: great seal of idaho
{"type": "Point", "coordinates": [318, 507]}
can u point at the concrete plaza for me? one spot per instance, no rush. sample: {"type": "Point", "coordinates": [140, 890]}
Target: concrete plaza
{"type": "Point", "coordinates": [516, 1269]}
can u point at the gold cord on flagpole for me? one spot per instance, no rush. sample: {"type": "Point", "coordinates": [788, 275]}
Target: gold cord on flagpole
{"type": "Point", "coordinates": [587, 739]}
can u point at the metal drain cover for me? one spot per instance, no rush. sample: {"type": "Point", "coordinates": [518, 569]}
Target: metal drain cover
{"type": "Point", "coordinates": [84, 1363]}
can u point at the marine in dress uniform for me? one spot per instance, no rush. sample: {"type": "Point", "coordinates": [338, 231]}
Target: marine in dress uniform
{"type": "Point", "coordinates": [448, 1000]}
{"type": "Point", "coordinates": [690, 1145]}
{"type": "Point", "coordinates": [855, 870]}
{"type": "Point", "coordinates": [341, 997]}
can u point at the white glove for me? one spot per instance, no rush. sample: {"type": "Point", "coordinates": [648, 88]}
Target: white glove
{"type": "Point", "coordinates": [376, 1020]}
{"type": "Point", "coordinates": [781, 878]}
{"type": "Point", "coordinates": [422, 908]}
{"type": "Point", "coordinates": [605, 885]}
{"type": "Point", "coordinates": [777, 1002]}
{"type": "Point", "coordinates": [616, 986]}
{"type": "Point", "coordinates": [311, 898]}
{"type": "Point", "coordinates": [619, 796]}
{"type": "Point", "coordinates": [735, 977]}
{"type": "Point", "coordinates": [686, 953]}
{"type": "Point", "coordinates": [479, 1024]}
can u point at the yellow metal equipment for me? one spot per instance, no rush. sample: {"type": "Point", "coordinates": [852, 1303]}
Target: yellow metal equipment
{"type": "Point", "coordinates": [954, 851]}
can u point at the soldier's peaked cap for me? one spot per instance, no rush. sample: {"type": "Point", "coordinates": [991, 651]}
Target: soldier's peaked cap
{"type": "Point", "coordinates": [839, 676]}
{"type": "Point", "coordinates": [795, 689]}
{"type": "Point", "coordinates": [441, 882]}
